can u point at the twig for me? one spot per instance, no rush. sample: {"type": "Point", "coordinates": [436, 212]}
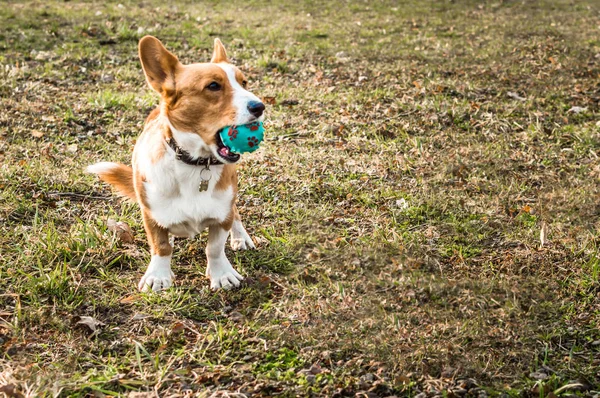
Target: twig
{"type": "Point", "coordinates": [79, 195]}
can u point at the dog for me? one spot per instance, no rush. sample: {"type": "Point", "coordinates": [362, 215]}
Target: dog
{"type": "Point", "coordinates": [182, 176]}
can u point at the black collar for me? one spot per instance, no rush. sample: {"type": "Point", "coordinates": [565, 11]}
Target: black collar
{"type": "Point", "coordinates": [186, 158]}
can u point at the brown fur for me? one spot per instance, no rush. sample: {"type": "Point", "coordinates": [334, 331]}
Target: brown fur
{"type": "Point", "coordinates": [231, 217]}
{"type": "Point", "coordinates": [219, 53]}
{"type": "Point", "coordinates": [198, 109]}
{"type": "Point", "coordinates": [158, 237]}
{"type": "Point", "coordinates": [160, 66]}
{"type": "Point", "coordinates": [229, 178]}
{"type": "Point", "coordinates": [121, 177]}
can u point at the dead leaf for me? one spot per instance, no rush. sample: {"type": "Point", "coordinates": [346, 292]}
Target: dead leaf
{"type": "Point", "coordinates": [90, 322]}
{"type": "Point", "coordinates": [139, 316]}
{"type": "Point", "coordinates": [37, 133]}
{"type": "Point", "coordinates": [260, 241]}
{"type": "Point", "coordinates": [290, 102]}
{"type": "Point", "coordinates": [402, 204]}
{"type": "Point", "coordinates": [516, 96]}
{"type": "Point", "coordinates": [72, 148]}
{"type": "Point", "coordinates": [235, 316]}
{"type": "Point", "coordinates": [11, 391]}
{"type": "Point", "coordinates": [269, 100]}
{"type": "Point", "coordinates": [46, 150]}
{"type": "Point", "coordinates": [177, 328]}
{"type": "Point", "coordinates": [121, 229]}
{"type": "Point", "coordinates": [128, 299]}
{"type": "Point", "coordinates": [577, 109]}
{"type": "Point", "coordinates": [402, 379]}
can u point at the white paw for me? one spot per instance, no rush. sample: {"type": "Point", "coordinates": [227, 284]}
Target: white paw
{"type": "Point", "coordinates": [158, 276]}
{"type": "Point", "coordinates": [156, 281]}
{"type": "Point", "coordinates": [240, 240]}
{"type": "Point", "coordinates": [241, 243]}
{"type": "Point", "coordinates": [223, 276]}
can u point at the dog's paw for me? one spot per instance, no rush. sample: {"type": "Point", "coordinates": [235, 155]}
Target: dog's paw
{"type": "Point", "coordinates": [156, 280]}
{"type": "Point", "coordinates": [223, 277]}
{"type": "Point", "coordinates": [244, 243]}
{"type": "Point", "coordinates": [240, 240]}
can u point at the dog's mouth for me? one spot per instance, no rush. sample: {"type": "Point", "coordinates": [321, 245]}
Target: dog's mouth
{"type": "Point", "coordinates": [225, 152]}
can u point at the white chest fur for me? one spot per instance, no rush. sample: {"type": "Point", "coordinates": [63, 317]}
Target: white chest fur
{"type": "Point", "coordinates": [172, 192]}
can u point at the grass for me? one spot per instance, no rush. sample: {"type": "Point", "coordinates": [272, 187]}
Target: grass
{"type": "Point", "coordinates": [397, 203]}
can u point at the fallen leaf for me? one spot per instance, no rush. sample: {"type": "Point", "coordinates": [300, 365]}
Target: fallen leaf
{"type": "Point", "coordinates": [235, 316]}
{"type": "Point", "coordinates": [402, 379]}
{"type": "Point", "coordinates": [516, 96]}
{"type": "Point", "coordinates": [90, 322]}
{"type": "Point", "coordinates": [577, 109]}
{"type": "Point", "coordinates": [269, 100]}
{"type": "Point", "coordinates": [139, 316]}
{"type": "Point", "coordinates": [46, 150]}
{"type": "Point", "coordinates": [402, 204]}
{"type": "Point", "coordinates": [538, 375]}
{"type": "Point", "coordinates": [121, 229]}
{"type": "Point", "coordinates": [290, 102]}
{"type": "Point", "coordinates": [37, 133]}
{"type": "Point", "coordinates": [128, 299]}
{"type": "Point", "coordinates": [178, 328]}
{"type": "Point", "coordinates": [11, 391]}
{"type": "Point", "coordinates": [72, 148]}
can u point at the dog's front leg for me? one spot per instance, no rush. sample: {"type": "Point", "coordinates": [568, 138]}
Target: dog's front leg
{"type": "Point", "coordinates": [219, 269]}
{"type": "Point", "coordinates": [240, 240]}
{"type": "Point", "coordinates": [158, 276]}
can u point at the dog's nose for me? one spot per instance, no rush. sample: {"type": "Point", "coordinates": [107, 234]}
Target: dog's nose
{"type": "Point", "coordinates": [256, 108]}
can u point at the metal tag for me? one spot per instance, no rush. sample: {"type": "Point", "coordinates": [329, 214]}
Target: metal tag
{"type": "Point", "coordinates": [205, 176]}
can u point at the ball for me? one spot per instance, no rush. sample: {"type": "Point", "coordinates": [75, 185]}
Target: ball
{"type": "Point", "coordinates": [243, 139]}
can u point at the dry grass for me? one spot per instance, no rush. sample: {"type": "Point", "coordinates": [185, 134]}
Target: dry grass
{"type": "Point", "coordinates": [415, 152]}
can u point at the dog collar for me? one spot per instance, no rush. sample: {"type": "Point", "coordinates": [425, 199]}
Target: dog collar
{"type": "Point", "coordinates": [185, 157]}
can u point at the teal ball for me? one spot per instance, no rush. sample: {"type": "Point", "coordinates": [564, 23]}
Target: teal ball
{"type": "Point", "coordinates": [243, 139]}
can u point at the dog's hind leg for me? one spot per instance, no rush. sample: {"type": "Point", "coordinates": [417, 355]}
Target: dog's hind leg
{"type": "Point", "coordinates": [240, 240]}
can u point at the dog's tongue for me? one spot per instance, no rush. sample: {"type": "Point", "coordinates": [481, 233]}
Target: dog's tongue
{"type": "Point", "coordinates": [224, 151]}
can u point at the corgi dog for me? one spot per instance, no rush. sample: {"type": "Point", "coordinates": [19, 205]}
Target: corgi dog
{"type": "Point", "coordinates": [182, 175]}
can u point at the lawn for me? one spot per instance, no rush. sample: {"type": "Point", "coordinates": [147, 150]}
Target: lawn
{"type": "Point", "coordinates": [425, 206]}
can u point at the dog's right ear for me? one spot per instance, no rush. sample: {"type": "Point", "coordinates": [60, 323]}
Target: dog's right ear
{"type": "Point", "coordinates": [159, 65]}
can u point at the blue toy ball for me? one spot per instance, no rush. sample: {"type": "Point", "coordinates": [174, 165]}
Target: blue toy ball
{"type": "Point", "coordinates": [243, 139]}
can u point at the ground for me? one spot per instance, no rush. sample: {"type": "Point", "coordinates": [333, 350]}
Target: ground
{"type": "Point", "coordinates": [425, 206]}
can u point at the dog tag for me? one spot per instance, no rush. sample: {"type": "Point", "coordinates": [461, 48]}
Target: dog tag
{"type": "Point", "coordinates": [205, 176]}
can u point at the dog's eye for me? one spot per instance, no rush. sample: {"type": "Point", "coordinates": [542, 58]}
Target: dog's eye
{"type": "Point", "coordinates": [214, 86]}
{"type": "Point", "coordinates": [245, 83]}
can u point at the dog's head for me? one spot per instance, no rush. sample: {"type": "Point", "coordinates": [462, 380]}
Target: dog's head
{"type": "Point", "coordinates": [200, 98]}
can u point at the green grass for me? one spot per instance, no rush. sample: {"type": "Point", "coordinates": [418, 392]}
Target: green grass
{"type": "Point", "coordinates": [397, 202]}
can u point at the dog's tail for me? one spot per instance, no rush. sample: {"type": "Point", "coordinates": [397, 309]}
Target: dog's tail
{"type": "Point", "coordinates": [118, 175]}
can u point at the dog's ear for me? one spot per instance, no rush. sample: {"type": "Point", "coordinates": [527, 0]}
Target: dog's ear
{"type": "Point", "coordinates": [159, 65]}
{"type": "Point", "coordinates": [219, 53]}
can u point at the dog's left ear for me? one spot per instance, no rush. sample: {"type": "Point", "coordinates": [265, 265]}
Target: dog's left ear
{"type": "Point", "coordinates": [219, 53]}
